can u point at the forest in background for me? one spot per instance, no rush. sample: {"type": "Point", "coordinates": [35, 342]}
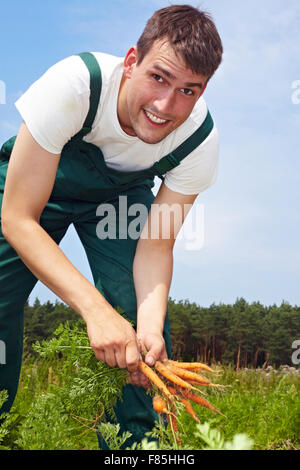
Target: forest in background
{"type": "Point", "coordinates": [239, 334]}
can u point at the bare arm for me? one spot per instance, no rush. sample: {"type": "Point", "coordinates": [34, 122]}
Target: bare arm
{"type": "Point", "coordinates": [153, 266]}
{"type": "Point", "coordinates": [29, 183]}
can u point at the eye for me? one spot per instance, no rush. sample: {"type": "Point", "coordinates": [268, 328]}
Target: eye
{"type": "Point", "coordinates": [187, 91]}
{"type": "Point", "coordinates": [158, 78]}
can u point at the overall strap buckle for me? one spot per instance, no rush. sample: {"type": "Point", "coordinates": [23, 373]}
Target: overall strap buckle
{"type": "Point", "coordinates": [157, 171]}
{"type": "Point", "coordinates": [172, 160]}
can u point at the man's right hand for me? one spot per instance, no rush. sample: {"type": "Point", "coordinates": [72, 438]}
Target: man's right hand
{"type": "Point", "coordinates": [113, 340]}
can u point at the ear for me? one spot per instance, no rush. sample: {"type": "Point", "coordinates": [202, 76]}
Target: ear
{"type": "Point", "coordinates": [130, 61]}
{"type": "Point", "coordinates": [203, 90]}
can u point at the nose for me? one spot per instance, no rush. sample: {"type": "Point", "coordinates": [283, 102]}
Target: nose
{"type": "Point", "coordinates": [164, 104]}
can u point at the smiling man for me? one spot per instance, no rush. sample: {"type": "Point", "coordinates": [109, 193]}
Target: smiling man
{"type": "Point", "coordinates": [159, 94]}
{"type": "Point", "coordinates": [96, 127]}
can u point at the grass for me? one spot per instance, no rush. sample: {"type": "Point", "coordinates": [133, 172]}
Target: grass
{"type": "Point", "coordinates": [264, 405]}
{"type": "Point", "coordinates": [39, 418]}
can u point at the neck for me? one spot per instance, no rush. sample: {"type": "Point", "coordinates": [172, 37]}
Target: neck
{"type": "Point", "coordinates": [122, 109]}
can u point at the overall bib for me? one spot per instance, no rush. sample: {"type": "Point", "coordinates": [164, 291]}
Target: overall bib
{"type": "Point", "coordinates": [82, 183]}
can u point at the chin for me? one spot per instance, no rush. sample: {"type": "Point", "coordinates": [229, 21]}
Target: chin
{"type": "Point", "coordinates": [151, 139]}
{"type": "Point", "coordinates": [150, 136]}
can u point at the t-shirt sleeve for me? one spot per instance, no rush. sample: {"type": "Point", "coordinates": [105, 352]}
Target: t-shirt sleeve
{"type": "Point", "coordinates": [54, 107]}
{"type": "Point", "coordinates": [198, 171]}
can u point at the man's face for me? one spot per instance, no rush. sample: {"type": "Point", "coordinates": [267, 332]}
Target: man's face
{"type": "Point", "coordinates": [158, 95]}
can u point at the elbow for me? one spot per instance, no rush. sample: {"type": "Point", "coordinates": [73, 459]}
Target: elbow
{"type": "Point", "coordinates": [12, 228]}
{"type": "Point", "coordinates": [16, 223]}
{"type": "Point", "coordinates": [7, 227]}
{"type": "Point", "coordinates": [6, 217]}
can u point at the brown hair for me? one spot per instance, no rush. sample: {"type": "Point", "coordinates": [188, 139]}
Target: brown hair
{"type": "Point", "coordinates": [192, 34]}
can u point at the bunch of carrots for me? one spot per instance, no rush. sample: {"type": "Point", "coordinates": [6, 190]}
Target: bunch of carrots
{"type": "Point", "coordinates": [182, 379]}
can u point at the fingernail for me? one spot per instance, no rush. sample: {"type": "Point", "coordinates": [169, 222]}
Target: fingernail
{"type": "Point", "coordinates": [150, 360]}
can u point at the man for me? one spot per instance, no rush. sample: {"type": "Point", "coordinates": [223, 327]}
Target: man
{"type": "Point", "coordinates": [71, 156]}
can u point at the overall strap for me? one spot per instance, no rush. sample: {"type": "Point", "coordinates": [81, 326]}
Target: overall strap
{"type": "Point", "coordinates": [174, 158]}
{"type": "Point", "coordinates": [95, 88]}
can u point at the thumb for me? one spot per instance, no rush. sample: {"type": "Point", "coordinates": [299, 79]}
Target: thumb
{"type": "Point", "coordinates": [153, 354]}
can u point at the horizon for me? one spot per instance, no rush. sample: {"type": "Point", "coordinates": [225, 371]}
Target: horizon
{"type": "Point", "coordinates": [251, 214]}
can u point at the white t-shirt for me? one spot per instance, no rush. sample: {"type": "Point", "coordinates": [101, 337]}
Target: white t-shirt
{"type": "Point", "coordinates": [55, 107]}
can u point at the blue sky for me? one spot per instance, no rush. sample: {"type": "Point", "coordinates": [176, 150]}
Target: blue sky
{"type": "Point", "coordinates": [251, 214]}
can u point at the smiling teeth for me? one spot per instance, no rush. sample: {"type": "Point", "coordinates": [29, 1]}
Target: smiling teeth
{"type": "Point", "coordinates": [155, 119]}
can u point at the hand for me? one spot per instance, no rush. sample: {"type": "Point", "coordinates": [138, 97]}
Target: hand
{"type": "Point", "coordinates": [154, 344]}
{"type": "Point", "coordinates": [113, 340]}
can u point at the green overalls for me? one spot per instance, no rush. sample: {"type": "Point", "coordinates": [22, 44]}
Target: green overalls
{"type": "Point", "coordinates": [82, 183]}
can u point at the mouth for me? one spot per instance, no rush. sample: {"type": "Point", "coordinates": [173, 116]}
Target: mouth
{"type": "Point", "coordinates": [155, 120]}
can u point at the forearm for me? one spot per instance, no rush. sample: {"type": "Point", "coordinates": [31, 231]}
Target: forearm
{"type": "Point", "coordinates": [152, 272]}
{"type": "Point", "coordinates": [29, 182]}
{"type": "Point", "coordinates": [48, 263]}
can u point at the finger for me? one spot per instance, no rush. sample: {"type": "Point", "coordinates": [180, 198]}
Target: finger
{"type": "Point", "coordinates": [100, 355]}
{"type": "Point", "coordinates": [164, 355]}
{"type": "Point", "coordinates": [110, 358]}
{"type": "Point", "coordinates": [132, 355]}
{"type": "Point", "coordinates": [154, 354]}
{"type": "Point", "coordinates": [142, 347]}
{"type": "Point", "coordinates": [121, 358]}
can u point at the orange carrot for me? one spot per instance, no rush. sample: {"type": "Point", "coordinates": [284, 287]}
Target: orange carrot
{"type": "Point", "coordinates": [187, 375]}
{"type": "Point", "coordinates": [160, 405]}
{"type": "Point", "coordinates": [190, 409]}
{"type": "Point", "coordinates": [163, 370]}
{"type": "Point", "coordinates": [197, 399]}
{"type": "Point", "coordinates": [186, 403]}
{"type": "Point", "coordinates": [153, 377]}
{"type": "Point", "coordinates": [193, 366]}
{"type": "Point", "coordinates": [202, 384]}
{"type": "Point", "coordinates": [196, 382]}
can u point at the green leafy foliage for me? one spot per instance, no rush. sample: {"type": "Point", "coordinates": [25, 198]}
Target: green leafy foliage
{"type": "Point", "coordinates": [247, 335]}
{"type": "Point", "coordinates": [66, 395]}
{"type": "Point", "coordinates": [261, 404]}
{"type": "Point", "coordinates": [47, 426]}
{"type": "Point", "coordinates": [242, 334]}
{"type": "Point", "coordinates": [93, 385]}
{"type": "Point", "coordinates": [110, 433]}
{"type": "Point", "coordinates": [4, 429]}
{"type": "Point", "coordinates": [216, 441]}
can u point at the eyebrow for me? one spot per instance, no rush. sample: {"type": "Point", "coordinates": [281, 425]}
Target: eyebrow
{"type": "Point", "coordinates": [172, 77]}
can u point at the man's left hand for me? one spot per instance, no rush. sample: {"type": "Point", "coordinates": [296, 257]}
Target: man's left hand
{"type": "Point", "coordinates": [152, 346]}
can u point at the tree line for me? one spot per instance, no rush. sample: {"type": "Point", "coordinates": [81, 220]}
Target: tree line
{"type": "Point", "coordinates": [240, 334]}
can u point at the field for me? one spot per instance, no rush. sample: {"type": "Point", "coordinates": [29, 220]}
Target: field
{"type": "Point", "coordinates": [57, 407]}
